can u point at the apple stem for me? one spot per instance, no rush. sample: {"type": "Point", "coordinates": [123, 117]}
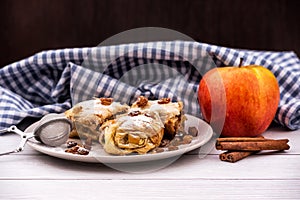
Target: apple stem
{"type": "Point", "coordinates": [241, 62]}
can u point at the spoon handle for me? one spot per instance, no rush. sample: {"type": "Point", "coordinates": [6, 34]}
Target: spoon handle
{"type": "Point", "coordinates": [16, 130]}
{"type": "Point", "coordinates": [13, 129]}
{"type": "Point", "coordinates": [4, 131]}
{"type": "Point", "coordinates": [6, 153]}
{"type": "Point", "coordinates": [24, 138]}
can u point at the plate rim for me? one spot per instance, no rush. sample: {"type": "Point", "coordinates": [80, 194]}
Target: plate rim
{"type": "Point", "coordinates": [117, 158]}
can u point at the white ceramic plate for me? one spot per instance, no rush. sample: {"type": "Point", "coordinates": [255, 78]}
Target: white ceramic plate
{"type": "Point", "coordinates": [98, 155]}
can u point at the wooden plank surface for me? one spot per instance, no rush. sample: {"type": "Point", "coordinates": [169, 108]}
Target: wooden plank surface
{"type": "Point", "coordinates": [187, 167]}
{"type": "Point", "coordinates": [154, 189]}
{"type": "Point", "coordinates": [33, 175]}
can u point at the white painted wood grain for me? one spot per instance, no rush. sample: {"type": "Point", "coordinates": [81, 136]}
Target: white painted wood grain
{"type": "Point", "coordinates": [187, 167]}
{"type": "Point", "coordinates": [283, 165]}
{"type": "Point", "coordinates": [32, 175]}
{"type": "Point", "coordinates": [154, 189]}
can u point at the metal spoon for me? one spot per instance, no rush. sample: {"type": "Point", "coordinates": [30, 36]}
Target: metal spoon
{"type": "Point", "coordinates": [52, 130]}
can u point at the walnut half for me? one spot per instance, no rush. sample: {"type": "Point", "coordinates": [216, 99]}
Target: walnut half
{"type": "Point", "coordinates": [106, 101]}
{"type": "Point", "coordinates": [141, 101]}
{"type": "Point", "coordinates": [164, 101]}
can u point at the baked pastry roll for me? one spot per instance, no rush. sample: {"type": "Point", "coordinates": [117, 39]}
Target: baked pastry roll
{"type": "Point", "coordinates": [171, 113]}
{"type": "Point", "coordinates": [88, 116]}
{"type": "Point", "coordinates": [136, 132]}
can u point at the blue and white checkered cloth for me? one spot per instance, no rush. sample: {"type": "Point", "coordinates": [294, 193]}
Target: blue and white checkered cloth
{"type": "Point", "coordinates": [54, 80]}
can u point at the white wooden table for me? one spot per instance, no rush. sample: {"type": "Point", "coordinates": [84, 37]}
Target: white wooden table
{"type": "Point", "coordinates": [33, 175]}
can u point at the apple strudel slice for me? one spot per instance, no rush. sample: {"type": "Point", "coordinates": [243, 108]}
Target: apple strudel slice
{"type": "Point", "coordinates": [136, 132]}
{"type": "Point", "coordinates": [171, 113]}
{"type": "Point", "coordinates": [88, 116]}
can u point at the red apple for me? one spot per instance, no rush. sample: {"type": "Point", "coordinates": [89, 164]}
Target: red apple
{"type": "Point", "coordinates": [250, 101]}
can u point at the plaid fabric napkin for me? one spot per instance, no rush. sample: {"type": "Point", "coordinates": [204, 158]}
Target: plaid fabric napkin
{"type": "Point", "coordinates": [51, 81]}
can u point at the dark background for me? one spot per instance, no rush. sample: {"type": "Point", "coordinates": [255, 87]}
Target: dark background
{"type": "Point", "coordinates": [30, 26]}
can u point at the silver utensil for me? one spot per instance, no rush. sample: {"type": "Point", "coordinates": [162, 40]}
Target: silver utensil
{"type": "Point", "coordinates": [52, 130]}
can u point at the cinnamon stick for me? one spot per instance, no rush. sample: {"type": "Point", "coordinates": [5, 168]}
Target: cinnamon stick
{"type": "Point", "coordinates": [233, 156]}
{"type": "Point", "coordinates": [241, 139]}
{"type": "Point", "coordinates": [251, 144]}
{"type": "Point", "coordinates": [242, 147]}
